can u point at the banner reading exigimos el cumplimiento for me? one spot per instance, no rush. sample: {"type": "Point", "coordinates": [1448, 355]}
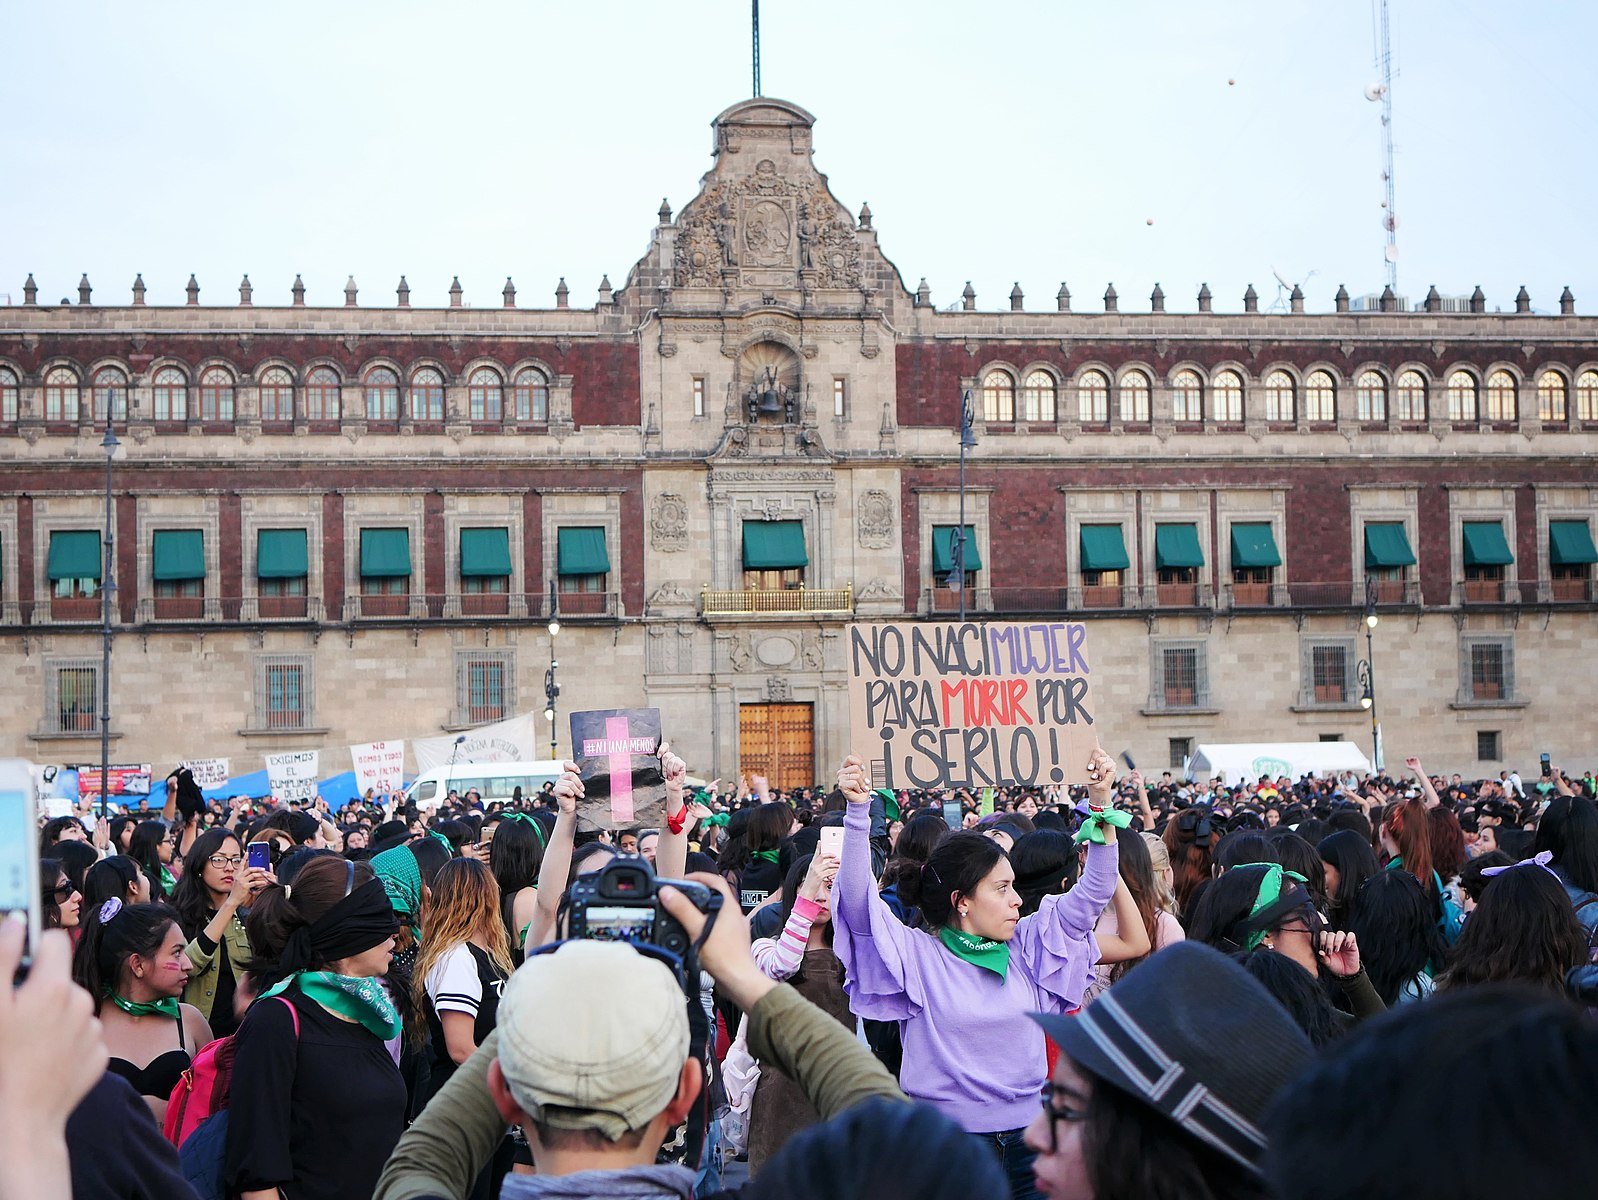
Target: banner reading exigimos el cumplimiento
{"type": "Point", "coordinates": [981, 704]}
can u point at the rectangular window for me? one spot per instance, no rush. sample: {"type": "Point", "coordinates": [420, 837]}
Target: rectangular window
{"type": "Point", "coordinates": [1487, 745]}
{"type": "Point", "coordinates": [283, 692]}
{"type": "Point", "coordinates": [485, 690]}
{"type": "Point", "coordinates": [283, 587]}
{"type": "Point", "coordinates": [76, 688]}
{"type": "Point", "coordinates": [1331, 737]}
{"type": "Point", "coordinates": [1487, 678]}
{"type": "Point", "coordinates": [1181, 749]}
{"type": "Point", "coordinates": [179, 589]}
{"type": "Point", "coordinates": [1329, 674]}
{"type": "Point", "coordinates": [582, 566]}
{"type": "Point", "coordinates": [1180, 676]}
{"type": "Point", "coordinates": [699, 395]}
{"type": "Point", "coordinates": [385, 566]}
{"type": "Point", "coordinates": [839, 396]}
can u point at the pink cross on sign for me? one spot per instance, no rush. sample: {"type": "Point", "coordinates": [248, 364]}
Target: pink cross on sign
{"type": "Point", "coordinates": [621, 770]}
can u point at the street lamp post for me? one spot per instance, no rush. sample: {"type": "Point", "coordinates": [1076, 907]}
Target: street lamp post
{"type": "Point", "coordinates": [968, 439]}
{"type": "Point", "coordinates": [1367, 673]}
{"type": "Point", "coordinates": [109, 445]}
{"type": "Point", "coordinates": [551, 687]}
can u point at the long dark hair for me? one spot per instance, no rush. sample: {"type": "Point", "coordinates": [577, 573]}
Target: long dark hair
{"type": "Point", "coordinates": [191, 898]}
{"type": "Point", "coordinates": [276, 914]}
{"type": "Point", "coordinates": [1137, 872]}
{"type": "Point", "coordinates": [1243, 847]}
{"type": "Point", "coordinates": [145, 849]}
{"type": "Point", "coordinates": [515, 855]}
{"type": "Point", "coordinates": [790, 893]}
{"type": "Point", "coordinates": [109, 878]}
{"type": "Point", "coordinates": [76, 858]}
{"type": "Point", "coordinates": [917, 840]}
{"type": "Point", "coordinates": [1225, 903]}
{"type": "Point", "coordinates": [959, 863]}
{"type": "Point", "coordinates": [1134, 1150]}
{"type": "Point", "coordinates": [1569, 830]}
{"type": "Point", "coordinates": [106, 946]}
{"type": "Point", "coordinates": [50, 835]}
{"type": "Point", "coordinates": [1395, 923]}
{"type": "Point", "coordinates": [1298, 855]}
{"type": "Point", "coordinates": [1045, 864]}
{"type": "Point", "coordinates": [1350, 852]}
{"type": "Point", "coordinates": [1523, 930]}
{"type": "Point", "coordinates": [50, 869]}
{"type": "Point", "coordinates": [1296, 990]}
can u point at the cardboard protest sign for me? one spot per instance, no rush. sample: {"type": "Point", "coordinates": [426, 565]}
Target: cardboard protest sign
{"type": "Point", "coordinates": [292, 776]}
{"type": "Point", "coordinates": [378, 765]}
{"type": "Point", "coordinates": [614, 750]}
{"type": "Point", "coordinates": [208, 772]}
{"type": "Point", "coordinates": [936, 705]}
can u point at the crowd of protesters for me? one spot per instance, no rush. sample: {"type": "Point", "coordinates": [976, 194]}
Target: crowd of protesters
{"type": "Point", "coordinates": [1324, 987]}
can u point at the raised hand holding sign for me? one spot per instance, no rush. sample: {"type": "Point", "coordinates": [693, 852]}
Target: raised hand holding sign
{"type": "Point", "coordinates": [618, 754]}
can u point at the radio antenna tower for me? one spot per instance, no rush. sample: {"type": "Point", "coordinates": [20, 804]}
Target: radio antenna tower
{"type": "Point", "coordinates": [1382, 91]}
{"type": "Point", "coordinates": [754, 19]}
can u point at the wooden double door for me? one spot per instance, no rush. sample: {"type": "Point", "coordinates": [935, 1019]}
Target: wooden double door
{"type": "Point", "coordinates": [778, 741]}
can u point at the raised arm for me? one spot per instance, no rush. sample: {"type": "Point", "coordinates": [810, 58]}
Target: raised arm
{"type": "Point", "coordinates": [782, 956]}
{"type": "Point", "coordinates": [557, 861]}
{"type": "Point", "coordinates": [671, 853]}
{"type": "Point", "coordinates": [1427, 791]}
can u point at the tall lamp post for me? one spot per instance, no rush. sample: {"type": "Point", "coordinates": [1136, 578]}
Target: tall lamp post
{"type": "Point", "coordinates": [1367, 672]}
{"type": "Point", "coordinates": [968, 440]}
{"type": "Point", "coordinates": [551, 687]}
{"type": "Point", "coordinates": [109, 446]}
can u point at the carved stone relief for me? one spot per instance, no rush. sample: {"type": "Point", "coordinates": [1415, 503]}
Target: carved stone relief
{"type": "Point", "coordinates": [668, 523]}
{"type": "Point", "coordinates": [876, 520]}
{"type": "Point", "coordinates": [778, 688]}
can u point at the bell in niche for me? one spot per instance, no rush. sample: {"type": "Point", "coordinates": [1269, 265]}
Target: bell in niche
{"type": "Point", "coordinates": [770, 399]}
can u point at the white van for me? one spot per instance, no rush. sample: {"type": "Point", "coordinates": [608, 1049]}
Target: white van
{"type": "Point", "coordinates": [493, 781]}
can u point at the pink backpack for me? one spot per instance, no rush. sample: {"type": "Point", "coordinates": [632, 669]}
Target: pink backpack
{"type": "Point", "coordinates": [206, 1086]}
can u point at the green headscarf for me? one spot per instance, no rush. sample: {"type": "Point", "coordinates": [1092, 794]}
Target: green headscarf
{"type": "Point", "coordinates": [402, 880]}
{"type": "Point", "coordinates": [1270, 892]}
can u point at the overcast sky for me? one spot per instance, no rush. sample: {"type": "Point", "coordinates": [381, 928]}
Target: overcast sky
{"type": "Point", "coordinates": [996, 142]}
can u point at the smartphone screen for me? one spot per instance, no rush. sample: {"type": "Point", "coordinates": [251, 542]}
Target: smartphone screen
{"type": "Point", "coordinates": [19, 868]}
{"type": "Point", "coordinates": [952, 816]}
{"type": "Point", "coordinates": [1548, 769]}
{"type": "Point", "coordinates": [831, 841]}
{"type": "Point", "coordinates": [260, 855]}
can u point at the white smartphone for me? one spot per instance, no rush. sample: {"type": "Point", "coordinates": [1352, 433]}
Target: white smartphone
{"type": "Point", "coordinates": [831, 841]}
{"type": "Point", "coordinates": [19, 860]}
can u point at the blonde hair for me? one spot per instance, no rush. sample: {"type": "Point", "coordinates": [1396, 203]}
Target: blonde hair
{"type": "Point", "coordinates": [1160, 857]}
{"type": "Point", "coordinates": [463, 905]}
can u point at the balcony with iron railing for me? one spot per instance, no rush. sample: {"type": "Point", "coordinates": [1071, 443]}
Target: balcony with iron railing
{"type": "Point", "coordinates": [747, 602]}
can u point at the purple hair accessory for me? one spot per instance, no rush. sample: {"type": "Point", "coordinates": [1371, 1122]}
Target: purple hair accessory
{"type": "Point", "coordinates": [1541, 859]}
{"type": "Point", "coordinates": [109, 909]}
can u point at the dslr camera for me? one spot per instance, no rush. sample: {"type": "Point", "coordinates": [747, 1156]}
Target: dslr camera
{"type": "Point", "coordinates": [621, 903]}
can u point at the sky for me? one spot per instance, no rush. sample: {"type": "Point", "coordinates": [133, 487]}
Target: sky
{"type": "Point", "coordinates": [1132, 142]}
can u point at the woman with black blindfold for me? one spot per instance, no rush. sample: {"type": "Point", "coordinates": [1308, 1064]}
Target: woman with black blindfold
{"type": "Point", "coordinates": [318, 1101]}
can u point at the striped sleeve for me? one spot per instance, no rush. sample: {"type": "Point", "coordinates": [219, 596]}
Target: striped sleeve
{"type": "Point", "coordinates": [780, 957]}
{"type": "Point", "coordinates": [453, 984]}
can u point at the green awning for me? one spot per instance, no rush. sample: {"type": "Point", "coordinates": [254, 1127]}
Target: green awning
{"type": "Point", "coordinates": [581, 551]}
{"type": "Point", "coordinates": [1103, 548]}
{"type": "Point", "coordinates": [281, 554]}
{"type": "Point", "coordinates": [385, 553]}
{"type": "Point", "coordinates": [1176, 547]}
{"type": "Point", "coordinates": [485, 552]}
{"type": "Point", "coordinates": [1254, 546]}
{"type": "Point", "coordinates": [178, 554]}
{"type": "Point", "coordinates": [774, 546]}
{"type": "Point", "coordinates": [74, 554]}
{"type": "Point", "coordinates": [943, 549]}
{"type": "Point", "coordinates": [1485, 545]}
{"type": "Point", "coordinates": [1387, 545]}
{"type": "Point", "coordinates": [1570, 544]}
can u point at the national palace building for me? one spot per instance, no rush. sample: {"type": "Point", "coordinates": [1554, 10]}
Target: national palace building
{"type": "Point", "coordinates": [335, 524]}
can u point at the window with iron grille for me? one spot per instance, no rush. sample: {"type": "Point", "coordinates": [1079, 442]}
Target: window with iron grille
{"type": "Point", "coordinates": [485, 685]}
{"type": "Point", "coordinates": [1181, 749]}
{"type": "Point", "coordinates": [1487, 748]}
{"type": "Point", "coordinates": [1181, 675]}
{"type": "Point", "coordinates": [74, 691]}
{"type": "Point", "coordinates": [1487, 669]}
{"type": "Point", "coordinates": [283, 694]}
{"type": "Point", "coordinates": [1328, 671]}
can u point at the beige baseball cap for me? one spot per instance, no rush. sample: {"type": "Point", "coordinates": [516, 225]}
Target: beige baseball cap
{"type": "Point", "coordinates": [593, 1036]}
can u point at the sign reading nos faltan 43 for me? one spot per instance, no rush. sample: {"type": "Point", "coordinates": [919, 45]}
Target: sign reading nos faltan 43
{"type": "Point", "coordinates": [983, 704]}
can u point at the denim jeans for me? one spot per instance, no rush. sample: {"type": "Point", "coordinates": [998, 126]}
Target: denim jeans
{"type": "Point", "coordinates": [709, 1179]}
{"type": "Point", "coordinates": [1016, 1159]}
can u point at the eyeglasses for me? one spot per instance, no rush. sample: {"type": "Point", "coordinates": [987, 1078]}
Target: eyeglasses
{"type": "Point", "coordinates": [223, 861]}
{"type": "Point", "coordinates": [1058, 1113]}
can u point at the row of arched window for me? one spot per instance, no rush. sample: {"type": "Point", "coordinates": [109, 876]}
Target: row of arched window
{"type": "Point", "coordinates": [1287, 401]}
{"type": "Point", "coordinates": [176, 397]}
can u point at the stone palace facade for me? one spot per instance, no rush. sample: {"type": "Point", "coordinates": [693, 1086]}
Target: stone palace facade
{"type": "Point", "coordinates": [339, 524]}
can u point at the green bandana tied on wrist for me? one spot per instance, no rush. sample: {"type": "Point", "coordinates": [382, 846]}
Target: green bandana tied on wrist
{"type": "Point", "coordinates": [1270, 892]}
{"type": "Point", "coordinates": [769, 856]}
{"type": "Point", "coordinates": [978, 951]}
{"type": "Point", "coordinates": [1093, 823]}
{"type": "Point", "coordinates": [361, 1000]}
{"type": "Point", "coordinates": [167, 1007]}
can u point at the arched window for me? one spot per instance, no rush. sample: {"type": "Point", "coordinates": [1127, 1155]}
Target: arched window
{"type": "Point", "coordinates": [382, 394]}
{"type": "Point", "coordinates": [531, 396]}
{"type": "Point", "coordinates": [1501, 396]}
{"type": "Point", "coordinates": [486, 395]}
{"type": "Point", "coordinates": [1587, 396]}
{"type": "Point", "coordinates": [277, 395]}
{"type": "Point", "coordinates": [169, 395]}
{"type": "Point", "coordinates": [1320, 398]}
{"type": "Point", "coordinates": [110, 394]}
{"type": "Point", "coordinates": [1370, 396]}
{"type": "Point", "coordinates": [1093, 398]}
{"type": "Point", "coordinates": [1135, 390]}
{"type": "Point", "coordinates": [427, 395]}
{"type": "Point", "coordinates": [1037, 397]}
{"type": "Point", "coordinates": [1187, 397]}
{"type": "Point", "coordinates": [61, 394]}
{"type": "Point", "coordinates": [216, 395]}
{"type": "Point", "coordinates": [1411, 396]}
{"type": "Point", "coordinates": [321, 395]}
{"type": "Point", "coordinates": [10, 395]}
{"type": "Point", "coordinates": [1279, 397]}
{"type": "Point", "coordinates": [998, 397]}
{"type": "Point", "coordinates": [1461, 396]}
{"type": "Point", "coordinates": [1228, 391]}
{"type": "Point", "coordinates": [1552, 408]}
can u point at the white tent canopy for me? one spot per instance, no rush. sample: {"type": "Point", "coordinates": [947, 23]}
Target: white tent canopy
{"type": "Point", "coordinates": [1243, 762]}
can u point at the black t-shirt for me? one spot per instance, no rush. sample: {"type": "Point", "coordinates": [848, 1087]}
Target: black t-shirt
{"type": "Point", "coordinates": [465, 980]}
{"type": "Point", "coordinates": [117, 1152]}
{"type": "Point", "coordinates": [756, 882]}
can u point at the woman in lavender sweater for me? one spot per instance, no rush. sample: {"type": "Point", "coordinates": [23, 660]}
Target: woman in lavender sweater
{"type": "Point", "coordinates": [961, 993]}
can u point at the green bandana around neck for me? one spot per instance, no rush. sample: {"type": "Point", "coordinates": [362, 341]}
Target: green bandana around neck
{"type": "Point", "coordinates": [362, 1000]}
{"type": "Point", "coordinates": [165, 1007]}
{"type": "Point", "coordinates": [167, 881]}
{"type": "Point", "coordinates": [769, 856]}
{"type": "Point", "coordinates": [1270, 892]}
{"type": "Point", "coordinates": [978, 951]}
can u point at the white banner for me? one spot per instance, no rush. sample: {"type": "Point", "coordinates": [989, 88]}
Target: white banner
{"type": "Point", "coordinates": [208, 772]}
{"type": "Point", "coordinates": [378, 765]}
{"type": "Point", "coordinates": [292, 776]}
{"type": "Point", "coordinates": [515, 740]}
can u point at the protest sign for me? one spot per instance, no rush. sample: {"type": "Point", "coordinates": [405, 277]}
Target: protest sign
{"type": "Point", "coordinates": [208, 772]}
{"type": "Point", "coordinates": [615, 754]}
{"type": "Point", "coordinates": [513, 740]}
{"type": "Point", "coordinates": [126, 780]}
{"type": "Point", "coordinates": [378, 765]}
{"type": "Point", "coordinates": [984, 704]}
{"type": "Point", "coordinates": [292, 776]}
